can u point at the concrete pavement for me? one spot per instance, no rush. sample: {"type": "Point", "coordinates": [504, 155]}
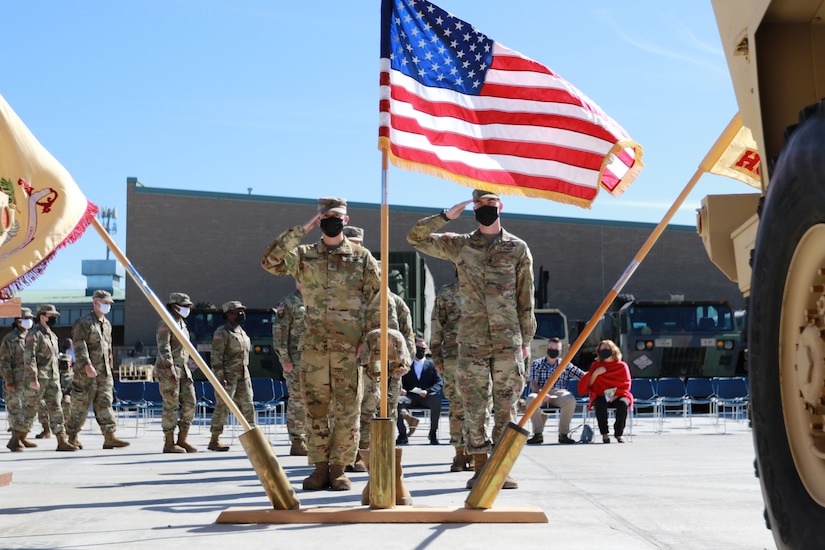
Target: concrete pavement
{"type": "Point", "coordinates": [681, 488]}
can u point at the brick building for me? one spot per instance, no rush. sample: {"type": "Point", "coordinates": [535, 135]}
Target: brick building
{"type": "Point", "coordinates": [209, 245]}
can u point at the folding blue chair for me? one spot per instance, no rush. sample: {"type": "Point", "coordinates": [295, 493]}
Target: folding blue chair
{"type": "Point", "coordinates": [128, 395]}
{"type": "Point", "coordinates": [671, 392]}
{"type": "Point", "coordinates": [731, 394]}
{"type": "Point", "coordinates": [700, 392]}
{"type": "Point", "coordinates": [152, 402]}
{"type": "Point", "coordinates": [645, 397]}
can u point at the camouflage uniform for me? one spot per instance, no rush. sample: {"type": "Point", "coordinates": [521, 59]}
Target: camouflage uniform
{"type": "Point", "coordinates": [496, 297]}
{"type": "Point", "coordinates": [92, 338]}
{"type": "Point", "coordinates": [42, 365]}
{"type": "Point", "coordinates": [286, 334]}
{"type": "Point", "coordinates": [173, 374]}
{"type": "Point", "coordinates": [340, 287]}
{"type": "Point", "coordinates": [444, 349]}
{"type": "Point", "coordinates": [12, 368]}
{"type": "Point", "coordinates": [230, 363]}
{"type": "Point", "coordinates": [400, 319]}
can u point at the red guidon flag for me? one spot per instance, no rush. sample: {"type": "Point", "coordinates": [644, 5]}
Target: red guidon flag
{"type": "Point", "coordinates": [740, 159]}
{"type": "Point", "coordinates": [41, 207]}
{"type": "Point", "coordinates": [458, 105]}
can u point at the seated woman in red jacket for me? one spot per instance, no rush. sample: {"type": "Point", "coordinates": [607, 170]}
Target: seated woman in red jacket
{"type": "Point", "coordinates": [608, 382]}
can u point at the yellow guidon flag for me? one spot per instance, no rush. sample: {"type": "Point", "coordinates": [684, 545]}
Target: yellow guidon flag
{"type": "Point", "coordinates": [41, 207]}
{"type": "Point", "coordinates": [740, 160]}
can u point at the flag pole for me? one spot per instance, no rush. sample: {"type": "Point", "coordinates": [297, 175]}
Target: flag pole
{"type": "Point", "coordinates": [382, 454]}
{"type": "Point", "coordinates": [514, 437]}
{"type": "Point", "coordinates": [257, 448]}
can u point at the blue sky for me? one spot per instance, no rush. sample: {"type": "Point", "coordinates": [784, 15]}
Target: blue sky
{"type": "Point", "coordinates": [282, 97]}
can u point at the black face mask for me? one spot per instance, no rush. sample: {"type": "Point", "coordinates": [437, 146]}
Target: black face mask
{"type": "Point", "coordinates": [420, 352]}
{"type": "Point", "coordinates": [553, 353]}
{"type": "Point", "coordinates": [240, 317]}
{"type": "Point", "coordinates": [51, 321]}
{"type": "Point", "coordinates": [487, 215]}
{"type": "Point", "coordinates": [605, 353]}
{"type": "Point", "coordinates": [332, 226]}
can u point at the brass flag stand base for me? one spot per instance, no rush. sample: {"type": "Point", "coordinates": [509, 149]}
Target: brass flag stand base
{"type": "Point", "coordinates": [400, 514]}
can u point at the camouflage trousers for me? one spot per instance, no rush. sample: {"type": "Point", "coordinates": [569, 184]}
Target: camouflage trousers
{"type": "Point", "coordinates": [46, 398]}
{"type": "Point", "coordinates": [296, 414]}
{"type": "Point", "coordinates": [484, 371]}
{"type": "Point", "coordinates": [178, 398]}
{"type": "Point", "coordinates": [240, 390]}
{"type": "Point", "coordinates": [14, 405]}
{"type": "Point", "coordinates": [332, 388]}
{"type": "Point", "coordinates": [372, 399]}
{"type": "Point", "coordinates": [97, 392]}
{"type": "Point", "coordinates": [456, 403]}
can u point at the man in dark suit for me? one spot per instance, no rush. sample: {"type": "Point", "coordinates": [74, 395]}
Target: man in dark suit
{"type": "Point", "coordinates": [420, 388]}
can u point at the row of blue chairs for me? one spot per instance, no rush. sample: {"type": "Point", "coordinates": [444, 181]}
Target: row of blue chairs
{"type": "Point", "coordinates": [269, 400]}
{"type": "Point", "coordinates": [721, 395]}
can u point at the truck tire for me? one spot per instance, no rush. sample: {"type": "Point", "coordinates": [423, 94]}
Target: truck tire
{"type": "Point", "coordinates": [786, 349]}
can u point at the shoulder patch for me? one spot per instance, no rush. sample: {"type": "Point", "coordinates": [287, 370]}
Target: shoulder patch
{"type": "Point", "coordinates": [280, 310]}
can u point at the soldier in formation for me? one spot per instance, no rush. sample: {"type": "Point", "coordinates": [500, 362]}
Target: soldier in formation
{"type": "Point", "coordinates": [286, 337]}
{"type": "Point", "coordinates": [175, 378]}
{"type": "Point", "coordinates": [92, 382]}
{"type": "Point", "coordinates": [230, 363]}
{"type": "Point", "coordinates": [42, 378]}
{"type": "Point", "coordinates": [12, 369]}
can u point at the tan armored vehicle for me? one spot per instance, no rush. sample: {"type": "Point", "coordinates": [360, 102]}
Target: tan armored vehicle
{"type": "Point", "coordinates": [775, 52]}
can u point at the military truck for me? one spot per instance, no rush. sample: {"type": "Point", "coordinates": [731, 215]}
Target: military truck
{"type": "Point", "coordinates": [773, 245]}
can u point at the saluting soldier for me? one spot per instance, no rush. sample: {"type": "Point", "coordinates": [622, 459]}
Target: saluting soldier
{"type": "Point", "coordinates": [340, 282]}
{"type": "Point", "coordinates": [175, 379]}
{"type": "Point", "coordinates": [42, 379]}
{"type": "Point", "coordinates": [495, 275]}
{"type": "Point", "coordinates": [286, 335]}
{"type": "Point", "coordinates": [12, 369]}
{"type": "Point", "coordinates": [230, 363]}
{"type": "Point", "coordinates": [92, 381]}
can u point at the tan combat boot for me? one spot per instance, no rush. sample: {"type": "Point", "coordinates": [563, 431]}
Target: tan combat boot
{"type": "Point", "coordinates": [169, 444]}
{"type": "Point", "coordinates": [73, 440]}
{"type": "Point", "coordinates": [459, 460]}
{"type": "Point", "coordinates": [338, 481]}
{"type": "Point", "coordinates": [319, 479]}
{"type": "Point", "coordinates": [14, 444]}
{"type": "Point", "coordinates": [46, 433]}
{"type": "Point", "coordinates": [63, 443]}
{"type": "Point", "coordinates": [412, 421]}
{"type": "Point", "coordinates": [365, 494]}
{"type": "Point", "coordinates": [215, 443]}
{"type": "Point", "coordinates": [402, 495]}
{"type": "Point", "coordinates": [182, 443]}
{"type": "Point", "coordinates": [479, 460]}
{"type": "Point", "coordinates": [298, 448]}
{"type": "Point", "coordinates": [26, 443]}
{"type": "Point", "coordinates": [111, 442]}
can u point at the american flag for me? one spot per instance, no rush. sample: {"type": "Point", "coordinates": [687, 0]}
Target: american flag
{"type": "Point", "coordinates": [458, 105]}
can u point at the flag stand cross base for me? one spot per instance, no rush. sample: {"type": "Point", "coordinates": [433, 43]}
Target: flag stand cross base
{"type": "Point", "coordinates": [400, 514]}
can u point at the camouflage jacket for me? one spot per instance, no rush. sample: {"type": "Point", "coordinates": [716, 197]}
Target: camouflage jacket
{"type": "Point", "coordinates": [340, 288]}
{"type": "Point", "coordinates": [444, 324]}
{"type": "Point", "coordinates": [12, 355]}
{"type": "Point", "coordinates": [495, 282]}
{"type": "Point", "coordinates": [400, 319]}
{"type": "Point", "coordinates": [288, 328]}
{"type": "Point", "coordinates": [93, 344]}
{"type": "Point", "coordinates": [230, 352]}
{"type": "Point", "coordinates": [170, 349]}
{"type": "Point", "coordinates": [41, 354]}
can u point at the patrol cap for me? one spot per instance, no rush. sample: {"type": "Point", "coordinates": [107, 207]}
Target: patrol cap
{"type": "Point", "coordinates": [332, 204]}
{"type": "Point", "coordinates": [25, 313]}
{"type": "Point", "coordinates": [479, 194]}
{"type": "Point", "coordinates": [47, 309]}
{"type": "Point", "coordinates": [232, 306]}
{"type": "Point", "coordinates": [181, 299]}
{"type": "Point", "coordinates": [351, 232]}
{"type": "Point", "coordinates": [102, 295]}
